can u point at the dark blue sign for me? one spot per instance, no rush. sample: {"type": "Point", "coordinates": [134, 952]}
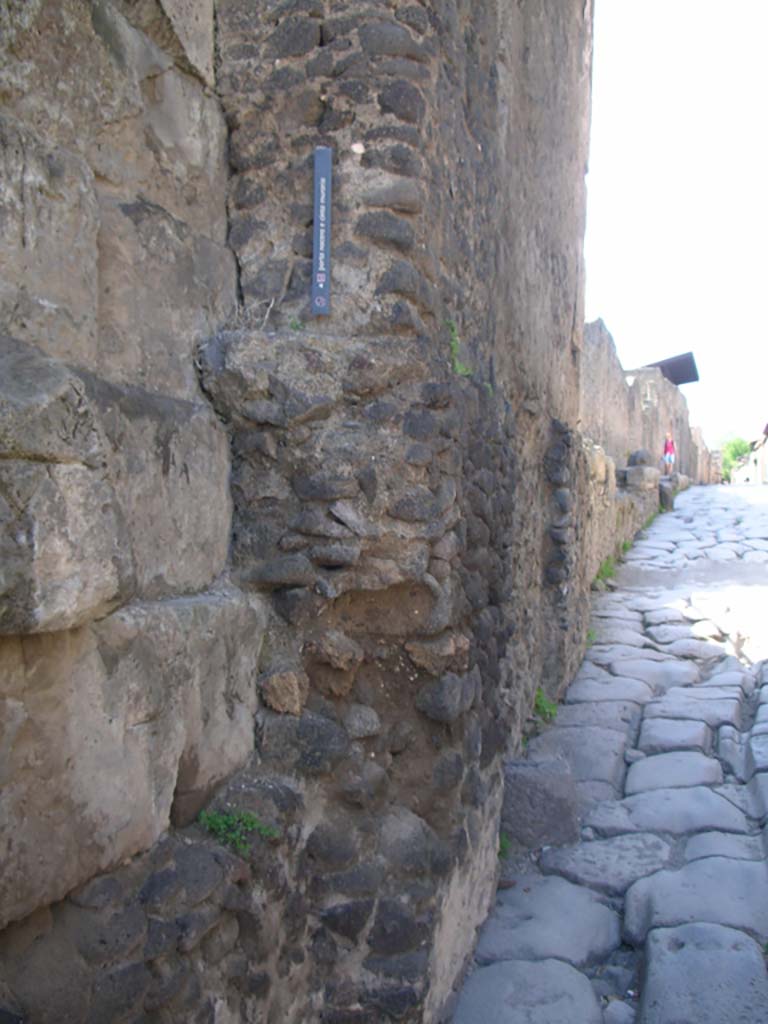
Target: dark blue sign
{"type": "Point", "coordinates": [321, 242]}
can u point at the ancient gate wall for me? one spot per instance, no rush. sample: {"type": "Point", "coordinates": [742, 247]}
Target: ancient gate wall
{"type": "Point", "coordinates": [311, 569]}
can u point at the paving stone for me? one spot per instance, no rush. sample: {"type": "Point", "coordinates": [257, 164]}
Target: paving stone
{"type": "Point", "coordinates": [588, 670]}
{"type": "Point", "coordinates": [623, 716]}
{"type": "Point", "coordinates": [606, 654]}
{"type": "Point", "coordinates": [660, 676]}
{"type": "Point", "coordinates": [665, 634]}
{"type": "Point", "coordinates": [700, 649]}
{"type": "Point", "coordinates": [675, 811]}
{"type": "Point", "coordinates": [618, 1012]}
{"type": "Point", "coordinates": [700, 692]}
{"type": "Point", "coordinates": [661, 735]}
{"type": "Point", "coordinates": [611, 689]}
{"type": "Point", "coordinates": [590, 793]}
{"type": "Point", "coordinates": [672, 770]}
{"type": "Point", "coordinates": [724, 844]}
{"type": "Point", "coordinates": [593, 754]}
{"type": "Point", "coordinates": [549, 992]}
{"type": "Point", "coordinates": [743, 797]}
{"type": "Point", "coordinates": [612, 633]}
{"type": "Point", "coordinates": [758, 790]}
{"type": "Point", "coordinates": [731, 679]}
{"type": "Point", "coordinates": [712, 712]}
{"type": "Point", "coordinates": [543, 918]}
{"type": "Point", "coordinates": [723, 553]}
{"type": "Point", "coordinates": [608, 865]}
{"type": "Point", "coordinates": [718, 890]}
{"type": "Point", "coordinates": [731, 750]}
{"type": "Point", "coordinates": [705, 629]}
{"type": "Point", "coordinates": [705, 974]}
{"type": "Point", "coordinates": [756, 755]}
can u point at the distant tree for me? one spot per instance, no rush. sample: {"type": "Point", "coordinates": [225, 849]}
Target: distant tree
{"type": "Point", "coordinates": [734, 450]}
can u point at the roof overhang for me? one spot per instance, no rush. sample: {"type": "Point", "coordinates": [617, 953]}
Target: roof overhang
{"type": "Point", "coordinates": [679, 369]}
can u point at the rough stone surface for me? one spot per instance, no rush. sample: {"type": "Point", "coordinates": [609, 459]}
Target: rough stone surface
{"type": "Point", "coordinates": [661, 735]}
{"type": "Point", "coordinates": [114, 759]}
{"type": "Point", "coordinates": [608, 865]}
{"type": "Point", "coordinates": [537, 993]}
{"type": "Point", "coordinates": [675, 811]}
{"type": "Point", "coordinates": [717, 890]}
{"type": "Point", "coordinates": [679, 768]}
{"type": "Point", "coordinates": [539, 804]}
{"type": "Point", "coordinates": [703, 972]}
{"type": "Point", "coordinates": [543, 918]}
{"type": "Point", "coordinates": [592, 754]}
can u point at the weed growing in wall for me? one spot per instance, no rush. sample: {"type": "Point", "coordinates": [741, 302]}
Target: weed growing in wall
{"type": "Point", "coordinates": [505, 846]}
{"type": "Point", "coordinates": [544, 707]}
{"type": "Point", "coordinates": [234, 828]}
{"type": "Point", "coordinates": [455, 344]}
{"type": "Point", "coordinates": [607, 569]}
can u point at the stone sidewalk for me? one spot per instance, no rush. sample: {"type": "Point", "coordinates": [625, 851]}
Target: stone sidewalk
{"type": "Point", "coordinates": [657, 913]}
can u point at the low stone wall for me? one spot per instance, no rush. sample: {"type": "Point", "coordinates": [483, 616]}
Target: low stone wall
{"type": "Point", "coordinates": [627, 410]}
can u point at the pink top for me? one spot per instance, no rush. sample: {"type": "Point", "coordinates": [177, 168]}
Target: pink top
{"type": "Point", "coordinates": [669, 446]}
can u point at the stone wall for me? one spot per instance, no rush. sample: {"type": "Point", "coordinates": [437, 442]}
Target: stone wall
{"type": "Point", "coordinates": [626, 410]}
{"type": "Point", "coordinates": [312, 570]}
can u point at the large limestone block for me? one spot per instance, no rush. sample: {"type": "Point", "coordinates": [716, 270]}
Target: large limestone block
{"type": "Point", "coordinates": [48, 227]}
{"type": "Point", "coordinates": [101, 726]}
{"type": "Point", "coordinates": [162, 290]}
{"type": "Point", "coordinates": [62, 560]}
{"type": "Point", "coordinates": [183, 28]}
{"type": "Point", "coordinates": [169, 463]}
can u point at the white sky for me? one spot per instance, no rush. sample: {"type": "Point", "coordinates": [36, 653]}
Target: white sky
{"type": "Point", "coordinates": [677, 226]}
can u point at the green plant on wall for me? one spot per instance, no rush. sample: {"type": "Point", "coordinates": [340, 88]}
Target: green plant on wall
{"type": "Point", "coordinates": [544, 707]}
{"type": "Point", "coordinates": [607, 569]}
{"type": "Point", "coordinates": [455, 344]}
{"type": "Point", "coordinates": [505, 845]}
{"type": "Point", "coordinates": [233, 828]}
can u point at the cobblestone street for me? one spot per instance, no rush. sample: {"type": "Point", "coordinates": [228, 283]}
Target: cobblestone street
{"type": "Point", "coordinates": [659, 913]}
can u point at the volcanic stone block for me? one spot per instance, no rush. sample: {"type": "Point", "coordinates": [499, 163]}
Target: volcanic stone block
{"type": "Point", "coordinates": [545, 991]}
{"type": "Point", "coordinates": [548, 917]}
{"type": "Point", "coordinates": [593, 754]}
{"type": "Point", "coordinates": [673, 769]}
{"type": "Point", "coordinates": [115, 718]}
{"type": "Point", "coordinates": [608, 865]}
{"type": "Point", "coordinates": [703, 972]}
{"type": "Point", "coordinates": [540, 804]}
{"type": "Point", "coordinates": [718, 890]}
{"type": "Point", "coordinates": [677, 811]}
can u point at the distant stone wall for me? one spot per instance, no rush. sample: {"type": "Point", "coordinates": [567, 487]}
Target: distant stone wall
{"type": "Point", "coordinates": [625, 410]}
{"type": "Point", "coordinates": [310, 570]}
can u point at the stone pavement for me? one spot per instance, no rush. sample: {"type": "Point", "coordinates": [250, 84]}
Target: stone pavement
{"type": "Point", "coordinates": [656, 911]}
